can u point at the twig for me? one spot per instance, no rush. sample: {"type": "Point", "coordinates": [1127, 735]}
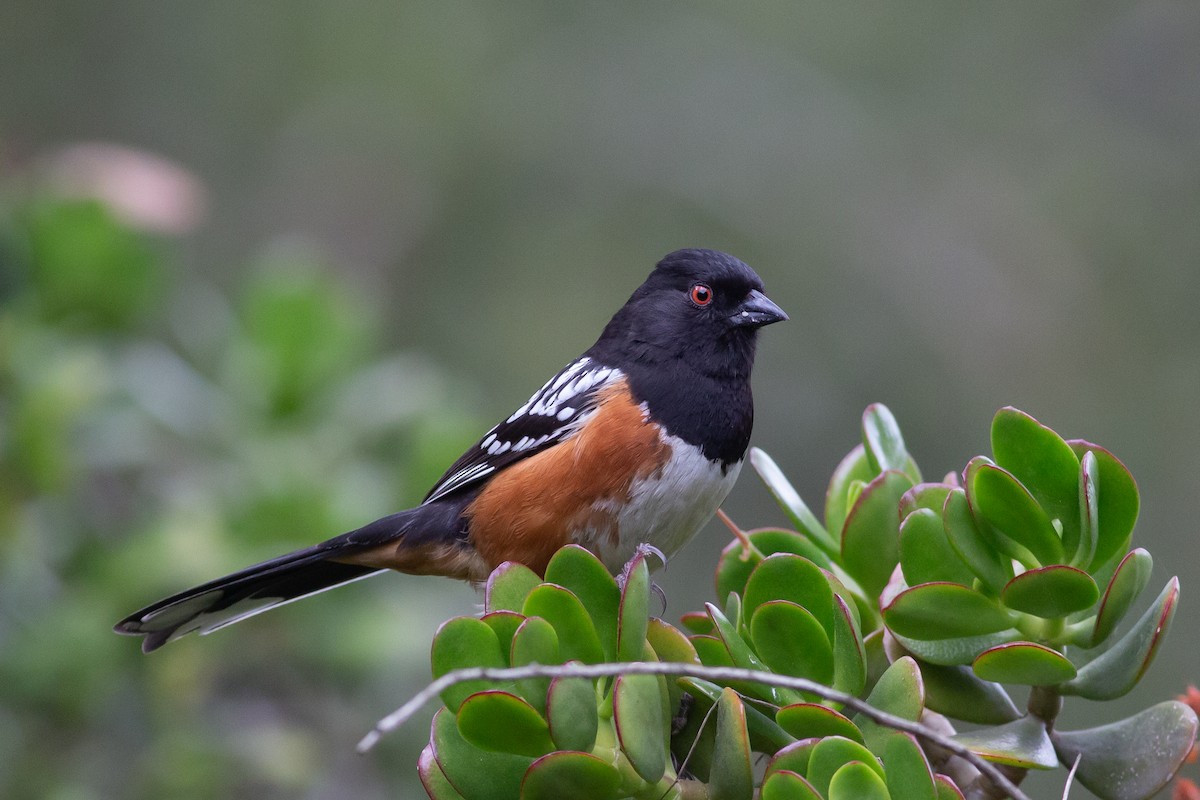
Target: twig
{"type": "Point", "coordinates": [1071, 776]}
{"type": "Point", "coordinates": [431, 692]}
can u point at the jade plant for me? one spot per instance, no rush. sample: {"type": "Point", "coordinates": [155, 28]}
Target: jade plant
{"type": "Point", "coordinates": [838, 658]}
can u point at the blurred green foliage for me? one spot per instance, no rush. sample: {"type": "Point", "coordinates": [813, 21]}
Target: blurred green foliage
{"type": "Point", "coordinates": [154, 434]}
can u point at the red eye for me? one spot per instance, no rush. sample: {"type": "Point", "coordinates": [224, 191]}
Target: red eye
{"type": "Point", "coordinates": [701, 295]}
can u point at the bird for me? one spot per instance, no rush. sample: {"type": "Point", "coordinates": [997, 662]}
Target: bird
{"type": "Point", "coordinates": [637, 442]}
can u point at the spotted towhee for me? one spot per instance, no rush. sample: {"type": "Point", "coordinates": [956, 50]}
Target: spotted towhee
{"type": "Point", "coordinates": [638, 440]}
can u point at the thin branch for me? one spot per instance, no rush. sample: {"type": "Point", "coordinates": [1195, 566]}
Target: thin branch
{"type": "Point", "coordinates": [431, 692]}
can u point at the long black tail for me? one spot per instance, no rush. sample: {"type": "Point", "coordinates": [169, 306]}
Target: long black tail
{"type": "Point", "coordinates": [243, 594]}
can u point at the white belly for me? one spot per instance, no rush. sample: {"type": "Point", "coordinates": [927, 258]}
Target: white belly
{"type": "Point", "coordinates": [667, 508]}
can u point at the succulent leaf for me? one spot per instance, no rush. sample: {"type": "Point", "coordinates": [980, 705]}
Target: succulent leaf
{"type": "Point", "coordinates": [638, 717]}
{"type": "Point", "coordinates": [790, 501]}
{"type": "Point", "coordinates": [501, 722]}
{"type": "Point", "coordinates": [1117, 503]}
{"type": "Point", "coordinates": [885, 444]}
{"type": "Point", "coordinates": [966, 539]}
{"type": "Point", "coordinates": [1051, 592]}
{"type": "Point", "coordinates": [571, 713]}
{"type": "Point", "coordinates": [857, 781]}
{"type": "Point", "coordinates": [1022, 743]}
{"type": "Point", "coordinates": [925, 554]}
{"type": "Point", "coordinates": [831, 754]}
{"type": "Point", "coordinates": [787, 785]}
{"type": "Point", "coordinates": [633, 616]}
{"type": "Point", "coordinates": [1133, 758]}
{"type": "Point", "coordinates": [535, 642]}
{"type": "Point", "coordinates": [580, 776]}
{"type": "Point", "coordinates": [582, 574]}
{"type": "Point", "coordinates": [1118, 669]}
{"type": "Point", "coordinates": [474, 773]}
{"type": "Point", "coordinates": [899, 692]}
{"type": "Point", "coordinates": [1002, 502]}
{"type": "Point", "coordinates": [791, 641]}
{"type": "Point", "coordinates": [1128, 581]}
{"type": "Point", "coordinates": [908, 773]}
{"type": "Point", "coordinates": [850, 657]}
{"type": "Point", "coordinates": [732, 773]}
{"type": "Point", "coordinates": [853, 470]}
{"type": "Point", "coordinates": [936, 611]}
{"type": "Point", "coordinates": [577, 637]}
{"type": "Point", "coordinates": [465, 642]}
{"type": "Point", "coordinates": [1023, 663]}
{"type": "Point", "coordinates": [871, 534]}
{"type": "Point", "coordinates": [813, 721]}
{"type": "Point", "coordinates": [1043, 463]}
{"type": "Point", "coordinates": [783, 576]}
{"type": "Point", "coordinates": [434, 781]}
{"type": "Point", "coordinates": [507, 587]}
{"type": "Point", "coordinates": [957, 692]}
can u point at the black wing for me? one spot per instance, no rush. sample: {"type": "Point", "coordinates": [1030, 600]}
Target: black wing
{"type": "Point", "coordinates": [552, 415]}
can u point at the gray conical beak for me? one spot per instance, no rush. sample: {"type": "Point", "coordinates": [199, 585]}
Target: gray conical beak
{"type": "Point", "coordinates": [757, 310]}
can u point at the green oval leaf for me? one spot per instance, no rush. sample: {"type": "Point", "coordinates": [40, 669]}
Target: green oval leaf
{"type": "Point", "coordinates": [1007, 506]}
{"type": "Point", "coordinates": [743, 656]}
{"type": "Point", "coordinates": [1024, 663]}
{"type": "Point", "coordinates": [634, 613]}
{"type": "Point", "coordinates": [924, 495]}
{"type": "Point", "coordinates": [857, 781]}
{"type": "Point", "coordinates": [1022, 743]}
{"type": "Point", "coordinates": [503, 723]}
{"type": "Point", "coordinates": [1089, 512]}
{"type": "Point", "coordinates": [831, 754]}
{"type": "Point", "coordinates": [787, 785]}
{"type": "Point", "coordinates": [1128, 582]}
{"type": "Point", "coordinates": [638, 717]}
{"type": "Point", "coordinates": [908, 773]}
{"type": "Point", "coordinates": [732, 773]}
{"type": "Point", "coordinates": [581, 573]}
{"type": "Point", "coordinates": [992, 568]}
{"type": "Point", "coordinates": [571, 713]}
{"type": "Point", "coordinates": [535, 642]}
{"type": "Point", "coordinates": [850, 658]}
{"type": "Point", "coordinates": [508, 586]}
{"type": "Point", "coordinates": [789, 500]}
{"type": "Point", "coordinates": [434, 781]}
{"type": "Point", "coordinates": [958, 651]}
{"type": "Point", "coordinates": [1042, 462]}
{"type": "Point", "coordinates": [815, 721]}
{"type": "Point", "coordinates": [900, 691]}
{"type": "Point", "coordinates": [885, 444]}
{"type": "Point", "coordinates": [735, 565]}
{"type": "Point", "coordinates": [579, 776]}
{"type": "Point", "coordinates": [1051, 592]}
{"type": "Point", "coordinates": [791, 641]}
{"type": "Point", "coordinates": [935, 611]}
{"type": "Point", "coordinates": [505, 624]}
{"type": "Point", "coordinates": [946, 790]}
{"type": "Point", "coordinates": [956, 691]}
{"type": "Point", "coordinates": [577, 637]}
{"type": "Point", "coordinates": [871, 535]}
{"type": "Point", "coordinates": [853, 470]}
{"type": "Point", "coordinates": [1118, 669]}
{"type": "Point", "coordinates": [1117, 503]}
{"type": "Point", "coordinates": [926, 555]}
{"type": "Point", "coordinates": [795, 757]}
{"type": "Point", "coordinates": [765, 735]}
{"type": "Point", "coordinates": [784, 576]}
{"type": "Point", "coordinates": [1134, 758]}
{"type": "Point", "coordinates": [460, 643]}
{"type": "Point", "coordinates": [474, 773]}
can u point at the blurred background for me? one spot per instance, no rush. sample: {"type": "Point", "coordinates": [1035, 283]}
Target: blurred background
{"type": "Point", "coordinates": [266, 268]}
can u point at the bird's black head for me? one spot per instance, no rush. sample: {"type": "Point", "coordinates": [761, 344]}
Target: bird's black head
{"type": "Point", "coordinates": [700, 306]}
